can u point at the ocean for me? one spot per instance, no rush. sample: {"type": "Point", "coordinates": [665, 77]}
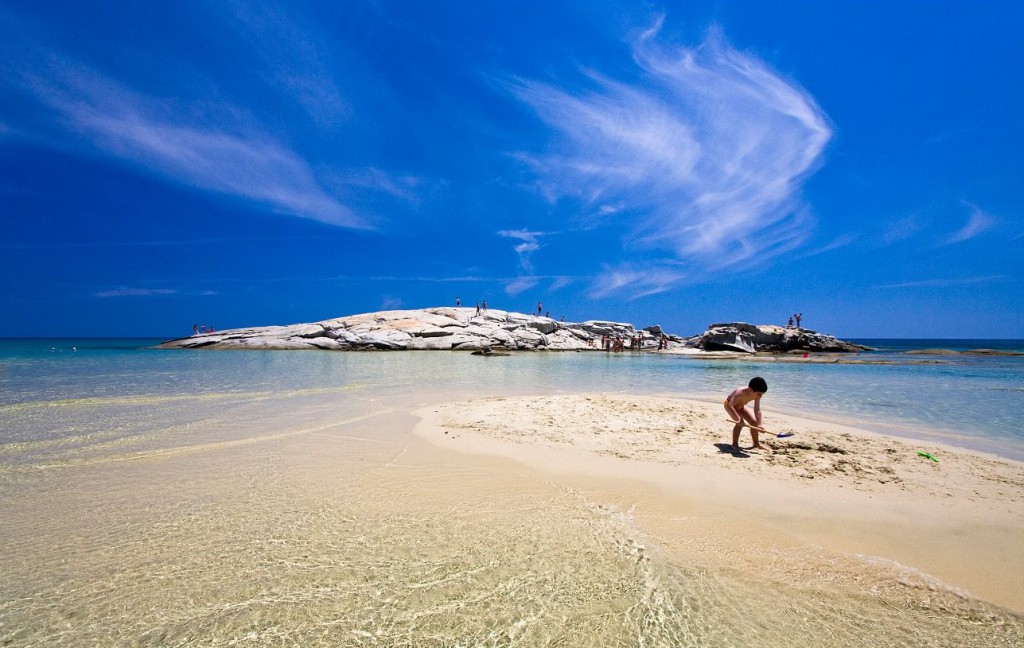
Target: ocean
{"type": "Point", "coordinates": [81, 395]}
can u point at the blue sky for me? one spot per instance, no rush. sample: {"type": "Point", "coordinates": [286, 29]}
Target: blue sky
{"type": "Point", "coordinates": [679, 163]}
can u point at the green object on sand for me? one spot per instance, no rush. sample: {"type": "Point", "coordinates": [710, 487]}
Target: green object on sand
{"type": "Point", "coordinates": [927, 455]}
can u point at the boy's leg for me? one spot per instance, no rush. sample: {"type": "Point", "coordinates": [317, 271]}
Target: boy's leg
{"type": "Point", "coordinates": [735, 416]}
{"type": "Point", "coordinates": [751, 423]}
{"type": "Point", "coordinates": [731, 411]}
{"type": "Point", "coordinates": [736, 435]}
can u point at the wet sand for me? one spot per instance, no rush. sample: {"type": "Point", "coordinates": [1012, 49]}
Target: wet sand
{"type": "Point", "coordinates": [842, 489]}
{"type": "Point", "coordinates": [348, 520]}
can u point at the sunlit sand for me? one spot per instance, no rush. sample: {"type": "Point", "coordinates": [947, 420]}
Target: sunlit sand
{"type": "Point", "coordinates": [582, 520]}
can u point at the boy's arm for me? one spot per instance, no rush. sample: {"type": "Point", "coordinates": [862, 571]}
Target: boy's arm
{"type": "Point", "coordinates": [757, 411]}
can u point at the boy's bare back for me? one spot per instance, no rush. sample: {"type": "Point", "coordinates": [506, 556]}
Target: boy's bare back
{"type": "Point", "coordinates": [741, 396]}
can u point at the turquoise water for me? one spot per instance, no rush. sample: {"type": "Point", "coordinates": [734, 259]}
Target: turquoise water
{"type": "Point", "coordinates": [225, 498]}
{"type": "Point", "coordinates": [76, 393]}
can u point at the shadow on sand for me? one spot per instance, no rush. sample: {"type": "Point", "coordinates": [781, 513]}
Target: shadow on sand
{"type": "Point", "coordinates": [726, 448]}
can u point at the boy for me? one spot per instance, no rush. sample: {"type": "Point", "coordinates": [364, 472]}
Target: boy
{"type": "Point", "coordinates": [735, 406]}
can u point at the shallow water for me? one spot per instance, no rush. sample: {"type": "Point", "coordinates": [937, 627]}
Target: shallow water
{"type": "Point", "coordinates": [62, 390]}
{"type": "Point", "coordinates": [276, 498]}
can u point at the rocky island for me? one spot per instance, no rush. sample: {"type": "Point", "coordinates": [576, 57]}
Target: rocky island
{"type": "Point", "coordinates": [465, 329]}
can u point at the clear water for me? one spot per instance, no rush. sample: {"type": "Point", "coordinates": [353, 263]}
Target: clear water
{"type": "Point", "coordinates": [67, 390]}
{"type": "Point", "coordinates": [244, 498]}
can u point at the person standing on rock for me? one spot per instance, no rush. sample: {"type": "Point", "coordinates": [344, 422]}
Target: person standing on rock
{"type": "Point", "coordinates": [798, 317]}
{"type": "Point", "coordinates": [458, 302]}
{"type": "Point", "coordinates": [539, 307]}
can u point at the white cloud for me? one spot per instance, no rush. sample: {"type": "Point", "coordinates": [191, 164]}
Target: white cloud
{"type": "Point", "coordinates": [124, 291]}
{"type": "Point", "coordinates": [839, 242]}
{"type": "Point", "coordinates": [637, 280]}
{"type": "Point", "coordinates": [977, 223]}
{"type": "Point", "coordinates": [520, 284]}
{"type": "Point", "coordinates": [295, 55]}
{"type": "Point", "coordinates": [901, 229]}
{"type": "Point", "coordinates": [529, 245]}
{"type": "Point", "coordinates": [708, 147]}
{"type": "Point", "coordinates": [390, 303]}
{"type": "Point", "coordinates": [561, 282]}
{"type": "Point", "coordinates": [944, 283]}
{"type": "Point", "coordinates": [200, 143]}
{"type": "Point", "coordinates": [146, 131]}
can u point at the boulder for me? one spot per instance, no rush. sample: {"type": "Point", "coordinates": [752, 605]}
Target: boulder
{"type": "Point", "coordinates": [527, 339]}
{"type": "Point", "coordinates": [430, 344]}
{"type": "Point", "coordinates": [543, 325]}
{"type": "Point", "coordinates": [766, 338]}
{"type": "Point", "coordinates": [433, 332]}
{"type": "Point", "coordinates": [728, 338]}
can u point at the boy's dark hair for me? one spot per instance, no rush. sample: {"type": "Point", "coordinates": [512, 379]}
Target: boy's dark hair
{"type": "Point", "coordinates": [759, 385]}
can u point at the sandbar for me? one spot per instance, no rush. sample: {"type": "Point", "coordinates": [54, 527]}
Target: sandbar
{"type": "Point", "coordinates": [828, 487]}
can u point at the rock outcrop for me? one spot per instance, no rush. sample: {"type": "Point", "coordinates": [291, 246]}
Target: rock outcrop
{"type": "Point", "coordinates": [463, 329]}
{"type": "Point", "coordinates": [444, 329]}
{"type": "Point", "coordinates": [750, 338]}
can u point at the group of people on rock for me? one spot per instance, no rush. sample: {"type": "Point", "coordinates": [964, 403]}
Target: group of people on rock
{"type": "Point", "coordinates": [797, 317]}
{"type": "Point", "coordinates": [617, 343]}
{"type": "Point", "coordinates": [481, 306]}
{"type": "Point", "coordinates": [609, 343]}
{"type": "Point", "coordinates": [197, 329]}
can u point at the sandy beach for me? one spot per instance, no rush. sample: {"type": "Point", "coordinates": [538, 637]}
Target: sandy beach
{"type": "Point", "coordinates": [359, 516]}
{"type": "Point", "coordinates": [852, 494]}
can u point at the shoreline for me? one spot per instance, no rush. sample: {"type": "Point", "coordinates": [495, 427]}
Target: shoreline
{"type": "Point", "coordinates": [909, 433]}
{"type": "Point", "coordinates": [845, 489]}
{"type": "Point", "coordinates": [345, 516]}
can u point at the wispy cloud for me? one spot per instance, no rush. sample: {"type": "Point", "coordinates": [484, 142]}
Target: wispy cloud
{"type": "Point", "coordinates": [146, 131]}
{"type": "Point", "coordinates": [294, 54]}
{"type": "Point", "coordinates": [977, 223]}
{"type": "Point", "coordinates": [204, 143]}
{"type": "Point", "coordinates": [707, 146]}
{"type": "Point", "coordinates": [561, 282]}
{"type": "Point", "coordinates": [529, 245]}
{"type": "Point", "coordinates": [406, 188]}
{"type": "Point", "coordinates": [124, 291]}
{"type": "Point", "coordinates": [520, 284]}
{"type": "Point", "coordinates": [838, 243]}
{"type": "Point", "coordinates": [944, 283]}
{"type": "Point", "coordinates": [637, 280]}
{"type": "Point", "coordinates": [901, 229]}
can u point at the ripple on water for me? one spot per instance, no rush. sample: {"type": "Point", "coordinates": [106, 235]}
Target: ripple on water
{"type": "Point", "coordinates": [270, 546]}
